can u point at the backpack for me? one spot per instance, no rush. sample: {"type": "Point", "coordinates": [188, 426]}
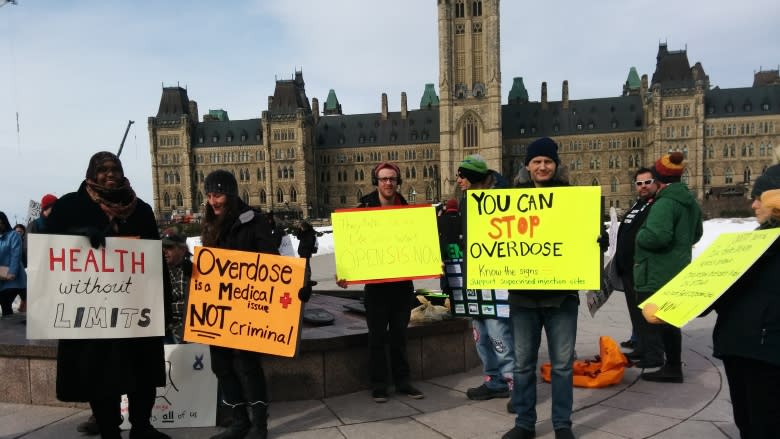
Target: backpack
{"type": "Point", "coordinates": [605, 370]}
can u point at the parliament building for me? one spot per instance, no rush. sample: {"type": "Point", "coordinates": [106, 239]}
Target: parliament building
{"type": "Point", "coordinates": [305, 158]}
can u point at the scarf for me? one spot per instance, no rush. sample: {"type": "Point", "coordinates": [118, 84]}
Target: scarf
{"type": "Point", "coordinates": [116, 203]}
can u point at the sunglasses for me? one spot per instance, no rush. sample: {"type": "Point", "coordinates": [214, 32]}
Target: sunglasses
{"type": "Point", "coordinates": [644, 182]}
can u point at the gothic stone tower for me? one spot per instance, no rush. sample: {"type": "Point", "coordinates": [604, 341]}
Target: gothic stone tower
{"type": "Point", "coordinates": [470, 85]}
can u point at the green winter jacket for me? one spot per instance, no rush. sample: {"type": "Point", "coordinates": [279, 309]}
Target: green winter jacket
{"type": "Point", "coordinates": [664, 242]}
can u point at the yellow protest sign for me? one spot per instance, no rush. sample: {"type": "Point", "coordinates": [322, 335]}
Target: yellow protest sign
{"type": "Point", "coordinates": [533, 239]}
{"type": "Point", "coordinates": [707, 277]}
{"type": "Point", "coordinates": [245, 300]}
{"type": "Point", "coordinates": [386, 243]}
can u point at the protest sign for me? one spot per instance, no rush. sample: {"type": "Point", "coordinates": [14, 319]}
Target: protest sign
{"type": "Point", "coordinates": [533, 239]}
{"type": "Point", "coordinates": [189, 398]}
{"type": "Point", "coordinates": [33, 211]}
{"type": "Point", "coordinates": [386, 243]}
{"type": "Point", "coordinates": [245, 300]}
{"type": "Point", "coordinates": [707, 277]}
{"type": "Point", "coordinates": [76, 291]}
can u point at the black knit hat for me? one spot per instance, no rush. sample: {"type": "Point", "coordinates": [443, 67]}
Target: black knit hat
{"type": "Point", "coordinates": [542, 147]}
{"type": "Point", "coordinates": [221, 182]}
{"type": "Point", "coordinates": [770, 179]}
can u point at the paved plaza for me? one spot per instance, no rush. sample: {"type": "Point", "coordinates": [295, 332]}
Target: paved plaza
{"type": "Point", "coordinates": [698, 408]}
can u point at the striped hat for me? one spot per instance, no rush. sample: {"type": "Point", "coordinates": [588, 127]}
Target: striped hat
{"type": "Point", "coordinates": [669, 168]}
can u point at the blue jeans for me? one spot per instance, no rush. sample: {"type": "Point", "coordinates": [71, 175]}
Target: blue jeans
{"type": "Point", "coordinates": [560, 325]}
{"type": "Point", "coordinates": [493, 338]}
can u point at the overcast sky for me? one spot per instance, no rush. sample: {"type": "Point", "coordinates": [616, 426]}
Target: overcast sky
{"type": "Point", "coordinates": [77, 71]}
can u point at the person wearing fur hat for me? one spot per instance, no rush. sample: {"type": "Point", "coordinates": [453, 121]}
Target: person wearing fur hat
{"type": "Point", "coordinates": [229, 223]}
{"type": "Point", "coordinates": [747, 331]}
{"type": "Point", "coordinates": [663, 248]}
{"type": "Point", "coordinates": [99, 371]}
{"type": "Point", "coordinates": [493, 336]}
{"type": "Point", "coordinates": [531, 311]}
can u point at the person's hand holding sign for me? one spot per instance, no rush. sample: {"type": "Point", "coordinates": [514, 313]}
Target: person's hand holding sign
{"type": "Point", "coordinates": [648, 312]}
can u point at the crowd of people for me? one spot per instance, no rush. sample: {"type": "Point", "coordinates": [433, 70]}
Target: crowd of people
{"type": "Point", "coordinates": [654, 243]}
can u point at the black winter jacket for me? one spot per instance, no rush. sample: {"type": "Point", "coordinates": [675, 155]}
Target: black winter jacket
{"type": "Point", "coordinates": [748, 323]}
{"type": "Point", "coordinates": [93, 368]}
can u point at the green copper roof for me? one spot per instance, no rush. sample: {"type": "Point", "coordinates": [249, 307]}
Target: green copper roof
{"type": "Point", "coordinates": [219, 114]}
{"type": "Point", "coordinates": [429, 97]}
{"type": "Point", "coordinates": [633, 81]}
{"type": "Point", "coordinates": [518, 91]}
{"type": "Point", "coordinates": [332, 103]}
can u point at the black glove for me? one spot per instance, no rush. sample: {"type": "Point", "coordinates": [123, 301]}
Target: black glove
{"type": "Point", "coordinates": [97, 237]}
{"type": "Point", "coordinates": [304, 294]}
{"type": "Point", "coordinates": [603, 241]}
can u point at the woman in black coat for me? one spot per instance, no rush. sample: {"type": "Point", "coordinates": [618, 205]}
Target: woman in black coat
{"type": "Point", "coordinates": [229, 223]}
{"type": "Point", "coordinates": [747, 332]}
{"type": "Point", "coordinates": [99, 371]}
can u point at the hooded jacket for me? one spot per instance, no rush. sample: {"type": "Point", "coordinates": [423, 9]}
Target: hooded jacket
{"type": "Point", "coordinates": [664, 242]}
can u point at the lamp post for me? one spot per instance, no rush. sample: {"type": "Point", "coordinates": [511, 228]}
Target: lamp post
{"type": "Point", "coordinates": [412, 196]}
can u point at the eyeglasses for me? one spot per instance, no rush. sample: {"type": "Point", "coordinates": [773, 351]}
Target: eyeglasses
{"type": "Point", "coordinates": [644, 182]}
{"type": "Point", "coordinates": [387, 179]}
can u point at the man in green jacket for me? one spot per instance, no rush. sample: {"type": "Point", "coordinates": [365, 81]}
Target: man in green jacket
{"type": "Point", "coordinates": [663, 248]}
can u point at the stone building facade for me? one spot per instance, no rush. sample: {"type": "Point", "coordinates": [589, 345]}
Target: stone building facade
{"type": "Point", "coordinates": [301, 160]}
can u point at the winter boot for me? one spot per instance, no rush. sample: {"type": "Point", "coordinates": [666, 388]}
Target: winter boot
{"type": "Point", "coordinates": [669, 373]}
{"type": "Point", "coordinates": [240, 426]}
{"type": "Point", "coordinates": [259, 428]}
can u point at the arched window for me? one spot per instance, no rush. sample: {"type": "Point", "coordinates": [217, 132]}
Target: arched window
{"type": "Point", "coordinates": [279, 195]}
{"type": "Point", "coordinates": [166, 200]}
{"type": "Point", "coordinates": [595, 182]}
{"type": "Point", "coordinates": [470, 137]}
{"type": "Point", "coordinates": [746, 175]}
{"type": "Point", "coordinates": [263, 197]}
{"type": "Point", "coordinates": [613, 186]}
{"type": "Point", "coordinates": [359, 195]}
{"type": "Point", "coordinates": [285, 173]}
{"type": "Point", "coordinates": [245, 197]}
{"type": "Point", "coordinates": [707, 176]}
{"type": "Point", "coordinates": [414, 172]}
{"type": "Point", "coordinates": [293, 195]}
{"type": "Point", "coordinates": [429, 193]}
{"type": "Point", "coordinates": [686, 176]}
{"type": "Point", "coordinates": [357, 175]}
{"type": "Point", "coordinates": [362, 176]}
{"type": "Point", "coordinates": [292, 172]}
{"type": "Point", "coordinates": [179, 199]}
{"type": "Point", "coordinates": [729, 177]}
{"type": "Point", "coordinates": [199, 197]}
{"type": "Point", "coordinates": [279, 172]}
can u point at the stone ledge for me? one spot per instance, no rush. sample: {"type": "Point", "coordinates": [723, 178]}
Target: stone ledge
{"type": "Point", "coordinates": [332, 360]}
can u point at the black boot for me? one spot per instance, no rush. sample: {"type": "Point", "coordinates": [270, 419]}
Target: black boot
{"type": "Point", "coordinates": [239, 427]}
{"type": "Point", "coordinates": [259, 428]}
{"type": "Point", "coordinates": [669, 373]}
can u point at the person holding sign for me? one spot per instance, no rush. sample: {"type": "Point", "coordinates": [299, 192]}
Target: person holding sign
{"type": "Point", "coordinates": [663, 248]}
{"type": "Point", "coordinates": [492, 335]}
{"type": "Point", "coordinates": [530, 311]}
{"type": "Point", "coordinates": [229, 223]}
{"type": "Point", "coordinates": [388, 304]}
{"type": "Point", "coordinates": [747, 332]}
{"type": "Point", "coordinates": [99, 371]}
{"type": "Point", "coordinates": [648, 349]}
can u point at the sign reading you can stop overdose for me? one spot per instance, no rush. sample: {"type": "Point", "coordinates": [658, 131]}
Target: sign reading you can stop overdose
{"type": "Point", "coordinates": [533, 239]}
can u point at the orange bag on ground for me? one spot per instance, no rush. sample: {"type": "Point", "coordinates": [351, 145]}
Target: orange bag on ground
{"type": "Point", "coordinates": [605, 370]}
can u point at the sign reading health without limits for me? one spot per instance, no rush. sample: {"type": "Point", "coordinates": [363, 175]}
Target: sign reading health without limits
{"type": "Point", "coordinates": [533, 239]}
{"type": "Point", "coordinates": [386, 243]}
{"type": "Point", "coordinates": [76, 291]}
{"type": "Point", "coordinates": [245, 300]}
{"type": "Point", "coordinates": [705, 279]}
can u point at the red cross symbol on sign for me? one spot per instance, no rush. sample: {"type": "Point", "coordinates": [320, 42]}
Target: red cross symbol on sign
{"type": "Point", "coordinates": [286, 300]}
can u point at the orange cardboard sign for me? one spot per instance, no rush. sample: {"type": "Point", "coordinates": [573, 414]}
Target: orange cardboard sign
{"type": "Point", "coordinates": [245, 300]}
